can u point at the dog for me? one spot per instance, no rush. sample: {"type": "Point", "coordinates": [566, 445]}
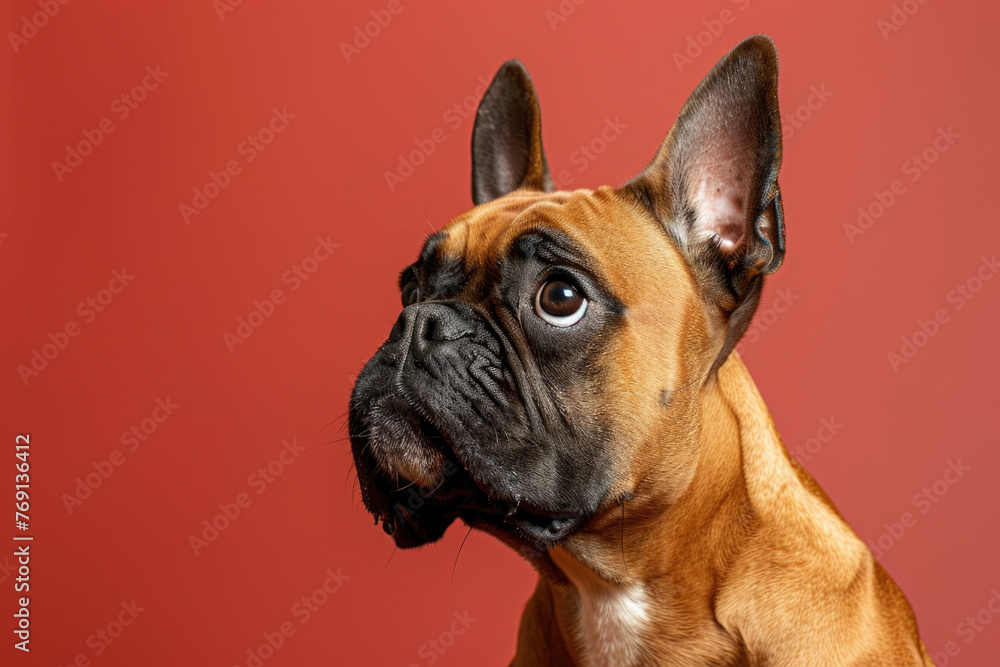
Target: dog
{"type": "Point", "coordinates": [563, 376]}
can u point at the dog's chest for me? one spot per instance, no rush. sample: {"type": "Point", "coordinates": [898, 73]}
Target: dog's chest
{"type": "Point", "coordinates": [611, 623]}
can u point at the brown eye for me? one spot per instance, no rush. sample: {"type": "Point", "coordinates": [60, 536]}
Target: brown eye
{"type": "Point", "coordinates": [410, 293]}
{"type": "Point", "coordinates": [560, 303]}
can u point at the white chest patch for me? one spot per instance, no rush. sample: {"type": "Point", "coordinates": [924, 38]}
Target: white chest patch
{"type": "Point", "coordinates": [611, 625]}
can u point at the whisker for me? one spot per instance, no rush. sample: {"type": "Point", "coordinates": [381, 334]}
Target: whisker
{"type": "Point", "coordinates": [440, 484]}
{"type": "Point", "coordinates": [467, 496]}
{"type": "Point", "coordinates": [348, 475]}
{"type": "Point", "coordinates": [455, 566]}
{"type": "Point", "coordinates": [694, 381]}
{"type": "Point", "coordinates": [333, 421]}
{"type": "Point", "coordinates": [428, 220]}
{"type": "Point", "coordinates": [332, 442]}
{"type": "Point", "coordinates": [390, 558]}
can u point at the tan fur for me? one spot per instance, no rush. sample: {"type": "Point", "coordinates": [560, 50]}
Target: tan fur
{"type": "Point", "coordinates": [741, 556]}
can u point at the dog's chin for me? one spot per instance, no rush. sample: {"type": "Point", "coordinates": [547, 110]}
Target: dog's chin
{"type": "Point", "coordinates": [414, 484]}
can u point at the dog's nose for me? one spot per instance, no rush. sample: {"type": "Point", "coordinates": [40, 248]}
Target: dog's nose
{"type": "Point", "coordinates": [427, 325]}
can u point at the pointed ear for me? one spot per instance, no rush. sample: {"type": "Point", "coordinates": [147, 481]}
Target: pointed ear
{"type": "Point", "coordinates": [507, 151]}
{"type": "Point", "coordinates": [714, 181]}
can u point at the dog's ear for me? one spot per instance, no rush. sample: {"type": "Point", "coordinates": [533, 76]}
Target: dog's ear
{"type": "Point", "coordinates": [714, 181]}
{"type": "Point", "coordinates": [507, 151]}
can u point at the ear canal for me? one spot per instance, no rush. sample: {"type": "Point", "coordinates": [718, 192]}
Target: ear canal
{"type": "Point", "coordinates": [507, 151]}
{"type": "Point", "coordinates": [714, 181]}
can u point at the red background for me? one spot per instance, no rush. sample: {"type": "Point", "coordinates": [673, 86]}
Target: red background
{"type": "Point", "coordinates": [162, 336]}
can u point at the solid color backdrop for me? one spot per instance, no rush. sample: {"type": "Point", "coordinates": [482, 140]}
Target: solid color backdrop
{"type": "Point", "coordinates": [178, 163]}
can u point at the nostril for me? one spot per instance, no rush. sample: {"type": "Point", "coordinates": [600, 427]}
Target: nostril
{"type": "Point", "coordinates": [426, 327]}
{"type": "Point", "coordinates": [421, 326]}
{"type": "Point", "coordinates": [418, 339]}
{"type": "Point", "coordinates": [439, 323]}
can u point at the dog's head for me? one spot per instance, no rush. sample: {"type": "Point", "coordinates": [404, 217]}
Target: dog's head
{"type": "Point", "coordinates": [548, 356]}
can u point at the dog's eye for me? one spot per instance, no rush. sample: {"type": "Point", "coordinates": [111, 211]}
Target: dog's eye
{"type": "Point", "coordinates": [560, 303]}
{"type": "Point", "coordinates": [410, 294]}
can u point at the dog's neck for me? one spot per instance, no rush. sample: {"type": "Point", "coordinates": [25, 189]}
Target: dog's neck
{"type": "Point", "coordinates": [650, 585]}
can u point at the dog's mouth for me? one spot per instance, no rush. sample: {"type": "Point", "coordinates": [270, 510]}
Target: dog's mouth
{"type": "Point", "coordinates": [416, 512]}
